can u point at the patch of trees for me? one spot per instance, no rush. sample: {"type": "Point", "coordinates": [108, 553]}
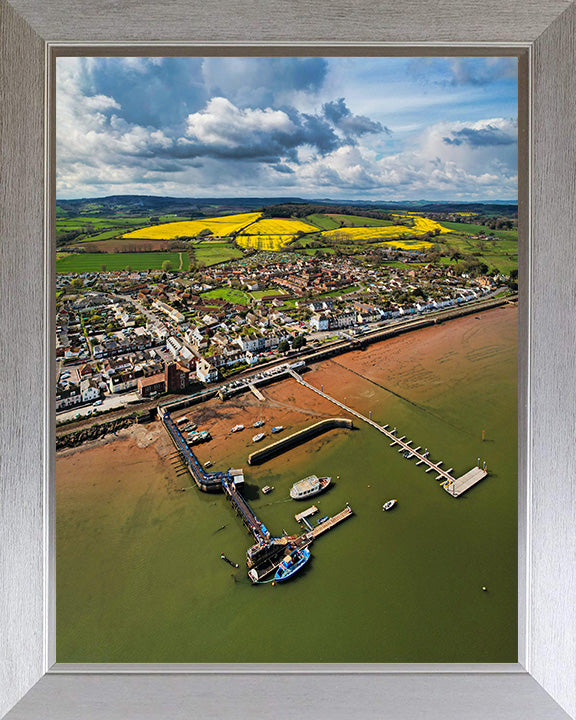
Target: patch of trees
{"type": "Point", "coordinates": [494, 222]}
{"type": "Point", "coordinates": [300, 210]}
{"type": "Point", "coordinates": [471, 266]}
{"type": "Point", "coordinates": [64, 238]}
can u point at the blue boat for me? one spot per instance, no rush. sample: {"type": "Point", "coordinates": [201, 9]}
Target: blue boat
{"type": "Point", "coordinates": [322, 519]}
{"type": "Point", "coordinates": [291, 564]}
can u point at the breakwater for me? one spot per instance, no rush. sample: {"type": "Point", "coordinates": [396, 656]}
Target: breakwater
{"type": "Point", "coordinates": [98, 430]}
{"type": "Point", "coordinates": [307, 433]}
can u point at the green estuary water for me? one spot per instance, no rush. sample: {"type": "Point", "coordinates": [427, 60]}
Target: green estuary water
{"type": "Point", "coordinates": [139, 575]}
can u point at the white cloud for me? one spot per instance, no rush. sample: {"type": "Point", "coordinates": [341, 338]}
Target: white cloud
{"type": "Point", "coordinates": [221, 123]}
{"type": "Point", "coordinates": [237, 148]}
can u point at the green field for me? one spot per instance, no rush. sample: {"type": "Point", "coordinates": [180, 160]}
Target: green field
{"type": "Point", "coordinates": [106, 235]}
{"type": "Point", "coordinates": [93, 262]}
{"type": "Point", "coordinates": [469, 229]}
{"type": "Point", "coordinates": [73, 223]}
{"type": "Point", "coordinates": [501, 254]}
{"type": "Point", "coordinates": [230, 294]}
{"type": "Point", "coordinates": [324, 222]}
{"type": "Point", "coordinates": [211, 253]}
{"type": "Point", "coordinates": [313, 251]}
{"type": "Point", "coordinates": [358, 221]}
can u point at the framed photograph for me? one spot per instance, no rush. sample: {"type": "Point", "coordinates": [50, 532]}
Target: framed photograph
{"type": "Point", "coordinates": [309, 134]}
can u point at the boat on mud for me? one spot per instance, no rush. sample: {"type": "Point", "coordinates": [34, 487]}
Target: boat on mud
{"type": "Point", "coordinates": [258, 437]}
{"type": "Point", "coordinates": [237, 428]}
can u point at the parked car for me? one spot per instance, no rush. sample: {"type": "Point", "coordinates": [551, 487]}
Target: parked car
{"type": "Point", "coordinates": [98, 402]}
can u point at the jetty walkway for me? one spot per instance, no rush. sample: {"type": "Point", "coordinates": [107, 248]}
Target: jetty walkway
{"type": "Point", "coordinates": [227, 482]}
{"type": "Point", "coordinates": [216, 481]}
{"type": "Point", "coordinates": [453, 486]}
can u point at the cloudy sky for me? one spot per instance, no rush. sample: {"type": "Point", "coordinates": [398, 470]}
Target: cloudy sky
{"type": "Point", "coordinates": [365, 128]}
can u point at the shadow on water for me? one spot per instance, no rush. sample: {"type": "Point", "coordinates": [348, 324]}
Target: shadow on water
{"type": "Point", "coordinates": [250, 491]}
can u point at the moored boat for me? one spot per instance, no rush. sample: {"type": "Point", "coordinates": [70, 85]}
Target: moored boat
{"type": "Point", "coordinates": [237, 428]}
{"type": "Point", "coordinates": [258, 423]}
{"type": "Point", "coordinates": [389, 505]}
{"type": "Point", "coordinates": [258, 437]}
{"type": "Point", "coordinates": [267, 489]}
{"type": "Point", "coordinates": [322, 520]}
{"type": "Point", "coordinates": [309, 486]}
{"type": "Point", "coordinates": [277, 428]}
{"type": "Point", "coordinates": [291, 564]}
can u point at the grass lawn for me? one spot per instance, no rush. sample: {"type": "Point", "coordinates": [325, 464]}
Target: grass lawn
{"type": "Point", "coordinates": [290, 304]}
{"type": "Point", "coordinates": [230, 294]}
{"type": "Point", "coordinates": [341, 291]}
{"type": "Point", "coordinates": [93, 262]}
{"type": "Point", "coordinates": [211, 253]}
{"type": "Point", "coordinates": [256, 294]}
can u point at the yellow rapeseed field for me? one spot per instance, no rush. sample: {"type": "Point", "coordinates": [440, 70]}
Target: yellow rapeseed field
{"type": "Point", "coordinates": [279, 226]}
{"type": "Point", "coordinates": [405, 244]}
{"type": "Point", "coordinates": [263, 242]}
{"type": "Point", "coordinates": [220, 226]}
{"type": "Point", "coordinates": [424, 225]}
{"type": "Point", "coordinates": [367, 233]}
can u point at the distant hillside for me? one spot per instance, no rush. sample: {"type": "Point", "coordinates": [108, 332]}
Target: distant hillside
{"type": "Point", "coordinates": [144, 205]}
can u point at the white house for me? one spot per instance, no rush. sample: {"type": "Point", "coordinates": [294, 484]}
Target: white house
{"type": "Point", "coordinates": [89, 391]}
{"type": "Point", "coordinates": [205, 371]}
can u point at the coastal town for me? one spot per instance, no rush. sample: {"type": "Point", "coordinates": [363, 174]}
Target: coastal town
{"type": "Point", "coordinates": [285, 359]}
{"type": "Point", "coordinates": [126, 336]}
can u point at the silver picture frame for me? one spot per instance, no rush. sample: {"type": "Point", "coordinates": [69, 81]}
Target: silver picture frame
{"type": "Point", "coordinates": [542, 685]}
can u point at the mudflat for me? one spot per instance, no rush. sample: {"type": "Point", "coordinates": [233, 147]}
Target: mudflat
{"type": "Point", "coordinates": [139, 575]}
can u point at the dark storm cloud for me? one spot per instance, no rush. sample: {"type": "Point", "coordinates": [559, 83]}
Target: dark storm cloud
{"type": "Point", "coordinates": [263, 82]}
{"type": "Point", "coordinates": [340, 115]}
{"type": "Point", "coordinates": [154, 92]}
{"type": "Point", "coordinates": [223, 130]}
{"type": "Point", "coordinates": [483, 137]}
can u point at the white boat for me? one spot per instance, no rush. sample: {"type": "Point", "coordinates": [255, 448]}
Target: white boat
{"type": "Point", "coordinates": [208, 463]}
{"type": "Point", "coordinates": [258, 423]}
{"type": "Point", "coordinates": [309, 486]}
{"type": "Point", "coordinates": [258, 437]}
{"type": "Point", "coordinates": [237, 428]}
{"type": "Point", "coordinates": [389, 505]}
{"type": "Point", "coordinates": [277, 428]}
{"type": "Point", "coordinates": [266, 489]}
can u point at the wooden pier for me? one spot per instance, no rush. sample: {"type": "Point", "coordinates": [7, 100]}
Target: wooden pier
{"type": "Point", "coordinates": [464, 482]}
{"type": "Point", "coordinates": [460, 485]}
{"type": "Point", "coordinates": [306, 513]}
{"type": "Point", "coordinates": [254, 390]}
{"type": "Point", "coordinates": [332, 522]}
